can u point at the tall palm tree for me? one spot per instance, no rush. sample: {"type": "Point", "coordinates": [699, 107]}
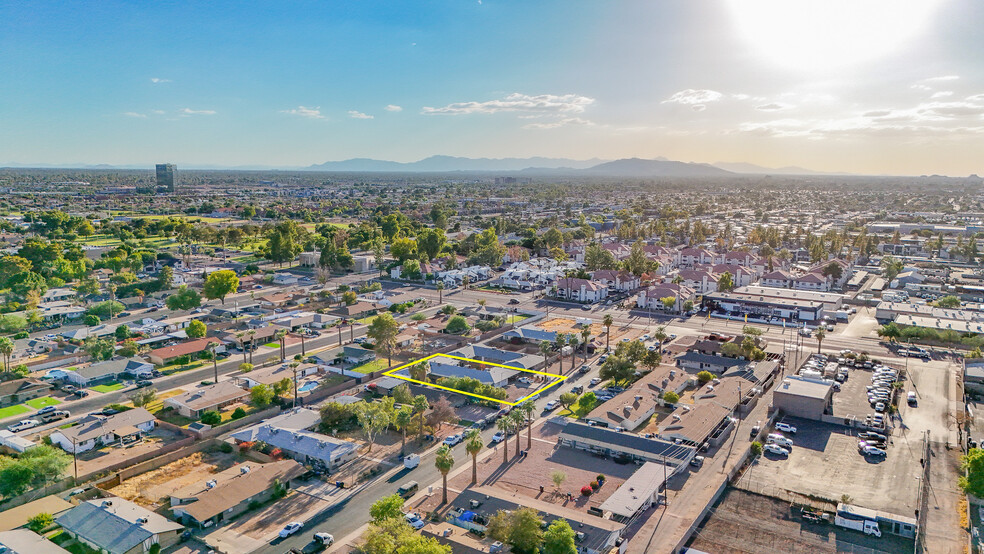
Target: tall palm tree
{"type": "Point", "coordinates": [252, 339]}
{"type": "Point", "coordinates": [420, 406]}
{"type": "Point", "coordinates": [545, 348]}
{"type": "Point", "coordinates": [440, 292]}
{"type": "Point", "coordinates": [660, 335]}
{"type": "Point", "coordinates": [215, 363]}
{"type": "Point", "coordinates": [444, 462]}
{"type": "Point", "coordinates": [574, 341]}
{"type": "Point", "coordinates": [585, 339]}
{"type": "Point", "coordinates": [242, 344]}
{"type": "Point", "coordinates": [517, 421]}
{"type": "Point", "coordinates": [504, 424]}
{"type": "Point", "coordinates": [560, 343]}
{"type": "Point", "coordinates": [293, 368]}
{"type": "Point", "coordinates": [528, 408]}
{"type": "Point", "coordinates": [6, 349]}
{"type": "Point", "coordinates": [820, 335]}
{"type": "Point", "coordinates": [403, 419]}
{"type": "Point", "coordinates": [473, 445]}
{"type": "Point", "coordinates": [608, 322]}
{"type": "Point", "coordinates": [281, 337]}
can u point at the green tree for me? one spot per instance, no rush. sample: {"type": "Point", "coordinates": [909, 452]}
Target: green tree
{"type": "Point", "coordinates": [122, 332]}
{"type": "Point", "coordinates": [608, 321]}
{"type": "Point", "coordinates": [383, 331]}
{"type": "Point", "coordinates": [99, 349]}
{"type": "Point", "coordinates": [637, 263]}
{"type": "Point", "coordinates": [558, 477]}
{"type": "Point", "coordinates": [283, 386]}
{"type": "Point", "coordinates": [489, 250]}
{"type": "Point", "coordinates": [819, 335]}
{"type": "Point", "coordinates": [349, 298]}
{"type": "Point", "coordinates": [283, 242]}
{"type": "Point", "coordinates": [617, 368]}
{"type": "Point", "coordinates": [183, 299]}
{"type": "Point", "coordinates": [567, 400]}
{"type": "Point", "coordinates": [669, 303]}
{"type": "Point", "coordinates": [726, 283]}
{"type": "Point", "coordinates": [756, 448]}
{"type": "Point", "coordinates": [892, 267]}
{"type": "Point", "coordinates": [40, 522]}
{"type": "Point", "coordinates": [387, 507]}
{"type": "Point", "coordinates": [211, 417]}
{"type": "Point", "coordinates": [374, 417]}
{"type": "Point", "coordinates": [128, 349]}
{"type": "Point", "coordinates": [890, 331]}
{"type": "Point", "coordinates": [420, 406]}
{"type": "Point", "coordinates": [404, 249]}
{"type": "Point", "coordinates": [220, 283]}
{"type": "Point", "coordinates": [444, 461]}
{"type": "Point", "coordinates": [6, 350]}
{"type": "Point", "coordinates": [559, 538]}
{"type": "Point", "coordinates": [473, 445]}
{"type": "Point", "coordinates": [671, 397]}
{"type": "Point", "coordinates": [457, 325]}
{"type": "Point", "coordinates": [525, 531]}
{"type": "Point", "coordinates": [973, 466]}
{"type": "Point", "coordinates": [196, 329]}
{"type": "Point", "coordinates": [949, 302]}
{"type": "Point", "coordinates": [430, 243]}
{"type": "Point", "coordinates": [261, 395]}
{"type": "Point", "coordinates": [704, 377]}
{"type": "Point", "coordinates": [596, 257]}
{"type": "Point", "coordinates": [402, 420]}
{"type": "Point", "coordinates": [586, 403]}
{"type": "Point", "coordinates": [142, 397]}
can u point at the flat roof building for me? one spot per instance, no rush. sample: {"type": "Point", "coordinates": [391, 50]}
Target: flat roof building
{"type": "Point", "coordinates": [804, 397]}
{"type": "Point", "coordinates": [165, 176]}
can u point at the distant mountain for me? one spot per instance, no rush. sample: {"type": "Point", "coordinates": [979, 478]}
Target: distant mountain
{"type": "Point", "coordinates": [453, 163]}
{"type": "Point", "coordinates": [661, 167]}
{"type": "Point", "coordinates": [741, 167]}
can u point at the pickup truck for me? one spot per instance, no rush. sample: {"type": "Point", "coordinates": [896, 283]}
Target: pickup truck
{"type": "Point", "coordinates": [54, 416]}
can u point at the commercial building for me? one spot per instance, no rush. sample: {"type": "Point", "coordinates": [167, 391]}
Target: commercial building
{"type": "Point", "coordinates": [804, 397]}
{"type": "Point", "coordinates": [760, 307]}
{"type": "Point", "coordinates": [165, 176]}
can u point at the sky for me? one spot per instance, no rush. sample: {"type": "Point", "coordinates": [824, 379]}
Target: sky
{"type": "Point", "coordinates": [872, 87]}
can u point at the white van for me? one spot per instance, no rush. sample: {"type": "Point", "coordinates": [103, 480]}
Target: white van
{"type": "Point", "coordinates": [781, 441]}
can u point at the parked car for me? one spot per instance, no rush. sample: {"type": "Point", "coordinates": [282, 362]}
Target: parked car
{"type": "Point", "coordinates": [514, 301]}
{"type": "Point", "coordinates": [524, 380]}
{"type": "Point", "coordinates": [697, 461]}
{"type": "Point", "coordinates": [776, 449]}
{"type": "Point", "coordinates": [869, 450]}
{"type": "Point", "coordinates": [552, 405]}
{"type": "Point", "coordinates": [453, 440]}
{"type": "Point", "coordinates": [911, 398]}
{"type": "Point", "coordinates": [46, 410]}
{"type": "Point", "coordinates": [23, 425]}
{"type": "Point", "coordinates": [143, 383]}
{"type": "Point", "coordinates": [80, 393]}
{"type": "Point", "coordinates": [324, 538]}
{"type": "Point", "coordinates": [498, 437]}
{"type": "Point", "coordinates": [415, 521]}
{"type": "Point", "coordinates": [785, 428]}
{"type": "Point", "coordinates": [594, 381]}
{"type": "Point", "coordinates": [583, 369]}
{"type": "Point", "coordinates": [577, 389]}
{"type": "Point", "coordinates": [290, 529]}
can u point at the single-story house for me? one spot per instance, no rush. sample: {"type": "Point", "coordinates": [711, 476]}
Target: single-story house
{"type": "Point", "coordinates": [212, 397]}
{"type": "Point", "coordinates": [230, 493]}
{"type": "Point", "coordinates": [107, 371]}
{"type": "Point", "coordinates": [118, 526]}
{"type": "Point", "coordinates": [295, 419]}
{"type": "Point", "coordinates": [495, 376]}
{"type": "Point", "coordinates": [18, 516]}
{"type": "Point", "coordinates": [357, 355]}
{"type": "Point", "coordinates": [307, 447]}
{"type": "Point", "coordinates": [19, 390]}
{"type": "Point", "coordinates": [270, 375]}
{"type": "Point", "coordinates": [98, 430]}
{"type": "Point", "coordinates": [167, 354]}
{"type": "Point", "coordinates": [28, 542]}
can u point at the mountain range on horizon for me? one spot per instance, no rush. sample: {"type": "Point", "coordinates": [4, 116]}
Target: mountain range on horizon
{"type": "Point", "coordinates": [532, 166]}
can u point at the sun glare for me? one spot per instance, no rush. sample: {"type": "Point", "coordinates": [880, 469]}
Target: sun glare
{"type": "Point", "coordinates": [823, 35]}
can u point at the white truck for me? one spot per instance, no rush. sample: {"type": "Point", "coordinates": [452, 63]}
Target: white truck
{"type": "Point", "coordinates": [411, 461]}
{"type": "Point", "coordinates": [864, 525]}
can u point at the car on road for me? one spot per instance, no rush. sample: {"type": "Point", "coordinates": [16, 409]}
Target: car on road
{"type": "Point", "coordinates": [776, 449]}
{"type": "Point", "coordinates": [785, 428]}
{"type": "Point", "coordinates": [80, 393]}
{"type": "Point", "coordinates": [143, 383]}
{"type": "Point", "coordinates": [453, 440]}
{"type": "Point", "coordinates": [552, 405]}
{"type": "Point", "coordinates": [415, 521]}
{"type": "Point", "coordinates": [46, 410]}
{"type": "Point", "coordinates": [54, 416]}
{"type": "Point", "coordinates": [290, 529]}
{"type": "Point", "coordinates": [583, 369]}
{"type": "Point", "coordinates": [594, 381]}
{"type": "Point", "coordinates": [577, 389]}
{"type": "Point", "coordinates": [586, 308]}
{"type": "Point", "coordinates": [514, 301]}
{"type": "Point", "coordinates": [23, 425]}
{"type": "Point", "coordinates": [805, 332]}
{"type": "Point", "coordinates": [697, 461]}
{"type": "Point", "coordinates": [911, 398]}
{"type": "Point", "coordinates": [498, 437]}
{"type": "Point", "coordinates": [324, 538]}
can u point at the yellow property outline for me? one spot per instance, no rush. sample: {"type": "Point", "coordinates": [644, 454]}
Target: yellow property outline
{"type": "Point", "coordinates": [557, 378]}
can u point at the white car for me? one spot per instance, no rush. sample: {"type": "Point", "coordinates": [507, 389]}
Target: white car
{"type": "Point", "coordinates": [290, 529]}
{"type": "Point", "coordinates": [594, 381]}
{"type": "Point", "coordinates": [776, 449]}
{"type": "Point", "coordinates": [415, 521]}
{"type": "Point", "coordinates": [453, 440]}
{"type": "Point", "coordinates": [324, 539]}
{"type": "Point", "coordinates": [873, 451]}
{"type": "Point", "coordinates": [23, 425]}
{"type": "Point", "coordinates": [785, 428]}
{"type": "Point", "coordinates": [498, 437]}
{"type": "Point", "coordinates": [552, 405]}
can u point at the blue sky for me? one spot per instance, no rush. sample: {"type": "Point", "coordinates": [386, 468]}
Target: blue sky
{"type": "Point", "coordinates": [887, 87]}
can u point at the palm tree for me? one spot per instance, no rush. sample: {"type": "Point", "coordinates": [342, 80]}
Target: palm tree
{"type": "Point", "coordinates": [252, 338]}
{"type": "Point", "coordinates": [242, 344]}
{"type": "Point", "coordinates": [473, 445]}
{"type": "Point", "coordinates": [545, 348]}
{"type": "Point", "coordinates": [573, 341]}
{"type": "Point", "coordinates": [293, 367]}
{"type": "Point", "coordinates": [420, 406]}
{"type": "Point", "coordinates": [660, 335]}
{"type": "Point", "coordinates": [505, 425]}
{"type": "Point", "coordinates": [608, 322]}
{"type": "Point", "coordinates": [528, 408]}
{"type": "Point", "coordinates": [281, 336]}
{"type": "Point", "coordinates": [821, 334]}
{"type": "Point", "coordinates": [6, 349]}
{"type": "Point", "coordinates": [404, 417]}
{"type": "Point", "coordinates": [517, 421]}
{"type": "Point", "coordinates": [585, 338]}
{"type": "Point", "coordinates": [440, 292]}
{"type": "Point", "coordinates": [444, 462]}
{"type": "Point", "coordinates": [215, 363]}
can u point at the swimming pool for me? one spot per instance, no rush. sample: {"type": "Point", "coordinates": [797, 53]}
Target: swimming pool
{"type": "Point", "coordinates": [309, 385]}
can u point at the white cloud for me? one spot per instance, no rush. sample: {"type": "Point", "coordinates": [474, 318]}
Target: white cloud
{"type": "Point", "coordinates": [134, 114]}
{"type": "Point", "coordinates": [772, 107]}
{"type": "Point", "coordinates": [516, 102]}
{"type": "Point", "coordinates": [692, 97]}
{"type": "Point", "coordinates": [558, 123]}
{"type": "Point", "coordinates": [310, 113]}
{"type": "Point", "coordinates": [942, 94]}
{"type": "Point", "coordinates": [354, 114]}
{"type": "Point", "coordinates": [393, 108]}
{"type": "Point", "coordinates": [157, 80]}
{"type": "Point", "coordinates": [158, 112]}
{"type": "Point", "coordinates": [941, 78]}
{"type": "Point", "coordinates": [189, 111]}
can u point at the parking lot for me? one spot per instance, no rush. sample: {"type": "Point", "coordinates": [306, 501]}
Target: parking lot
{"type": "Point", "coordinates": [852, 399]}
{"type": "Point", "coordinates": [824, 463]}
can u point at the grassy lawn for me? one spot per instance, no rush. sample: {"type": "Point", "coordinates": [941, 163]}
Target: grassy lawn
{"type": "Point", "coordinates": [15, 410]}
{"type": "Point", "coordinates": [272, 345]}
{"type": "Point", "coordinates": [177, 368]}
{"type": "Point", "coordinates": [375, 365]}
{"type": "Point", "coordinates": [109, 387]}
{"type": "Point", "coordinates": [516, 318]}
{"type": "Point", "coordinates": [64, 540]}
{"type": "Point", "coordinates": [43, 402]}
{"type": "Point", "coordinates": [227, 414]}
{"type": "Point", "coordinates": [367, 320]}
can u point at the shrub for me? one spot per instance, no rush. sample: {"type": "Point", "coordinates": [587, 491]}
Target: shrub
{"type": "Point", "coordinates": [211, 417]}
{"type": "Point", "coordinates": [595, 485]}
{"type": "Point", "coordinates": [600, 478]}
{"type": "Point", "coordinates": [671, 397]}
{"type": "Point", "coordinates": [21, 335]}
{"type": "Point", "coordinates": [586, 490]}
{"type": "Point", "coordinates": [40, 522]}
{"type": "Point", "coordinates": [245, 367]}
{"type": "Point", "coordinates": [238, 413]}
{"type": "Point", "coordinates": [226, 448]}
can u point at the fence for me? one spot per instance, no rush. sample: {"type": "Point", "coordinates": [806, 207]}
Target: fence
{"type": "Point", "coordinates": [160, 460]}
{"type": "Point", "coordinates": [237, 423]}
{"type": "Point", "coordinates": [923, 499]}
{"type": "Point", "coordinates": [30, 496]}
{"type": "Point", "coordinates": [128, 467]}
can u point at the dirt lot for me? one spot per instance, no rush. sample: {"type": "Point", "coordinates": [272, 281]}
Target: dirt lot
{"type": "Point", "coordinates": [153, 487]}
{"type": "Point", "coordinates": [824, 462]}
{"type": "Point", "coordinates": [96, 460]}
{"type": "Point", "coordinates": [744, 522]}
